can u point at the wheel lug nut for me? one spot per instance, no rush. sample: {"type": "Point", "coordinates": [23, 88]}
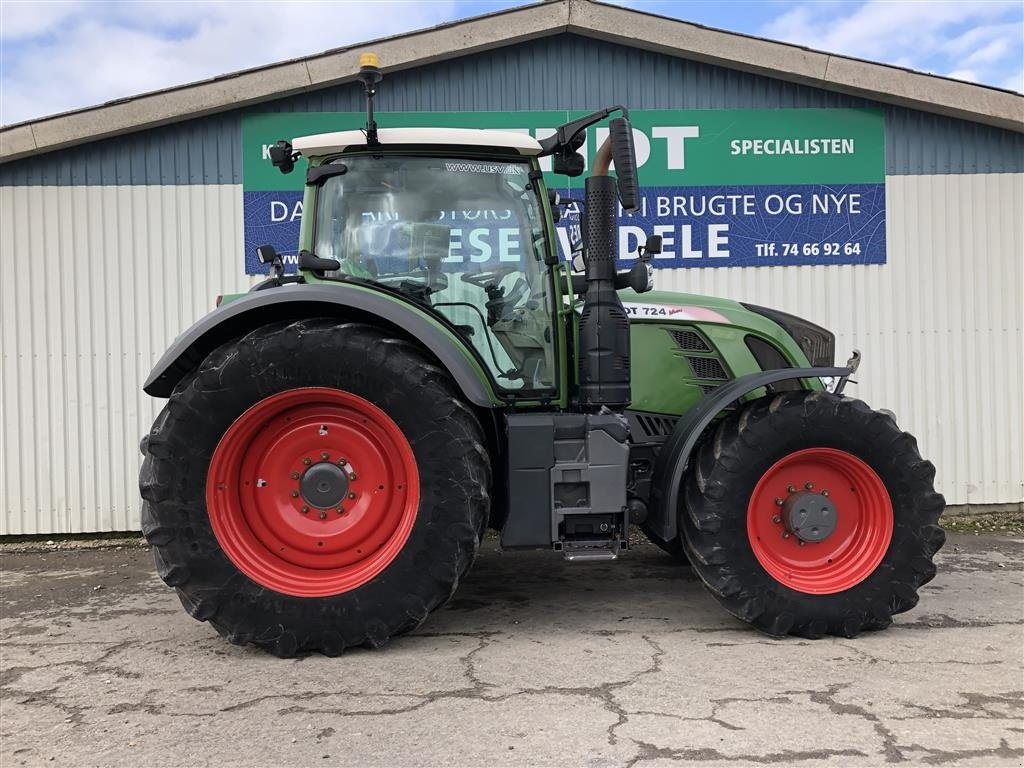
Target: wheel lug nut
{"type": "Point", "coordinates": [295, 494]}
{"type": "Point", "coordinates": [341, 510]}
{"type": "Point", "coordinates": [305, 510]}
{"type": "Point", "coordinates": [801, 542]}
{"type": "Point", "coordinates": [323, 514]}
{"type": "Point", "coordinates": [351, 495]}
{"type": "Point", "coordinates": [776, 519]}
{"type": "Point", "coordinates": [825, 494]}
{"type": "Point", "coordinates": [307, 461]}
{"type": "Point", "coordinates": [791, 488]}
{"type": "Point", "coordinates": [779, 502]}
{"type": "Point", "coordinates": [295, 475]}
{"type": "Point", "coordinates": [785, 534]}
{"type": "Point", "coordinates": [808, 486]}
{"type": "Point", "coordinates": [352, 476]}
{"type": "Point", "coordinates": [324, 456]}
{"type": "Point", "coordinates": [342, 462]}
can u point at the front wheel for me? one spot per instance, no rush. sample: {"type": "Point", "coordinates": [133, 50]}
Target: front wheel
{"type": "Point", "coordinates": [314, 485]}
{"type": "Point", "coordinates": [811, 514]}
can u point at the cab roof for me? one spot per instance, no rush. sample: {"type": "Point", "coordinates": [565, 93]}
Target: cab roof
{"type": "Point", "coordinates": [339, 141]}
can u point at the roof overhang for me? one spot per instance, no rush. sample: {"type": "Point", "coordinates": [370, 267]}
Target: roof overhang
{"type": "Point", "coordinates": [879, 82]}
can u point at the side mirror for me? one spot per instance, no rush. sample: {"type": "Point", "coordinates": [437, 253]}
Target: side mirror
{"type": "Point", "coordinates": [624, 157]}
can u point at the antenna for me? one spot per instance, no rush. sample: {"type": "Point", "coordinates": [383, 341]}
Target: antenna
{"type": "Point", "coordinates": [369, 75]}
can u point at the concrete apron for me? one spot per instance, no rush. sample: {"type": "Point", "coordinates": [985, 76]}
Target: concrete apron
{"type": "Point", "coordinates": [535, 662]}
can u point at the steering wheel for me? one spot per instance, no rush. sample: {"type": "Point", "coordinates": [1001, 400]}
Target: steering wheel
{"type": "Point", "coordinates": [488, 277]}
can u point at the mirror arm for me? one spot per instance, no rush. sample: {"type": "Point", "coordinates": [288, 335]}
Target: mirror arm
{"type": "Point", "coordinates": [566, 134]}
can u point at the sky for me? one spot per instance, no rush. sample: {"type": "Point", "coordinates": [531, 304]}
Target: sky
{"type": "Point", "coordinates": [57, 55]}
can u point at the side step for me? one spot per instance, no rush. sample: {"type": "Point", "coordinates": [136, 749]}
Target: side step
{"type": "Point", "coordinates": [580, 550]}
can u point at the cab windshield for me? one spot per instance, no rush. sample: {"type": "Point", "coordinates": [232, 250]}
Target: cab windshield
{"type": "Point", "coordinates": [462, 237]}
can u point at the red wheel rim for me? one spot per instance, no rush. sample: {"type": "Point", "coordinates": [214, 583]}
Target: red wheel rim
{"type": "Point", "coordinates": [262, 498]}
{"type": "Point", "coordinates": [863, 521]}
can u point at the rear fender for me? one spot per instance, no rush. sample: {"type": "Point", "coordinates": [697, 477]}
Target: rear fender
{"type": "Point", "coordinates": [295, 302]}
{"type": "Point", "coordinates": [674, 455]}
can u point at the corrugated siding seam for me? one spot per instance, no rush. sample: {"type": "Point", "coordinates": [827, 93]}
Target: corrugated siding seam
{"type": "Point", "coordinates": [207, 150]}
{"type": "Point", "coordinates": [940, 326]}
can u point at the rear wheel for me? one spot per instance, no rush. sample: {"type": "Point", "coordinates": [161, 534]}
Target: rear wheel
{"type": "Point", "coordinates": [672, 547]}
{"type": "Point", "coordinates": [314, 486]}
{"type": "Point", "coordinates": [811, 514]}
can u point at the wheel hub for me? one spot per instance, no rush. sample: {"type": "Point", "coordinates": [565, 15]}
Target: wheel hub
{"type": "Point", "coordinates": [809, 516]}
{"type": "Point", "coordinates": [324, 485]}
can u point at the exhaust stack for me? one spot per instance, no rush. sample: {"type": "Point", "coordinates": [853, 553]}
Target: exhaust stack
{"type": "Point", "coordinates": [604, 354]}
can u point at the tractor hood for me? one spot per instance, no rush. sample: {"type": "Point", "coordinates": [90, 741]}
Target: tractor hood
{"type": "Point", "coordinates": [690, 307]}
{"type": "Point", "coordinates": [789, 332]}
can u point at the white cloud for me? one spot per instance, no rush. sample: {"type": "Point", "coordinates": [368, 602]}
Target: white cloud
{"type": "Point", "coordinates": [876, 28]}
{"type": "Point", "coordinates": [1014, 82]}
{"type": "Point", "coordinates": [968, 75]}
{"type": "Point", "coordinates": [978, 41]}
{"type": "Point", "coordinates": [20, 19]}
{"type": "Point", "coordinates": [993, 50]}
{"type": "Point", "coordinates": [114, 50]}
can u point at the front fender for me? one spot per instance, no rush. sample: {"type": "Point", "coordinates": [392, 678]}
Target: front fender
{"type": "Point", "coordinates": [293, 302]}
{"type": "Point", "coordinates": [675, 453]}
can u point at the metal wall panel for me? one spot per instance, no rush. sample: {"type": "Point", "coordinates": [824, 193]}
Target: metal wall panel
{"type": "Point", "coordinates": [558, 72]}
{"type": "Point", "coordinates": [130, 268]}
{"type": "Point", "coordinates": [939, 325]}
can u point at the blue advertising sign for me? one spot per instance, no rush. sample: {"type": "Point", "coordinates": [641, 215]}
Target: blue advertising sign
{"type": "Point", "coordinates": [724, 188]}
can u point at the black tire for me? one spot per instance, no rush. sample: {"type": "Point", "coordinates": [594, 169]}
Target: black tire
{"type": "Point", "coordinates": [673, 547]}
{"type": "Point", "coordinates": [446, 439]}
{"type": "Point", "coordinates": [722, 477]}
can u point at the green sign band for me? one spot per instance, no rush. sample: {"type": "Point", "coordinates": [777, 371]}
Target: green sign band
{"type": "Point", "coordinates": [677, 148]}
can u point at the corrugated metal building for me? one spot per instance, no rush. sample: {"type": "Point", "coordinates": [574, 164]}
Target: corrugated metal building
{"type": "Point", "coordinates": [119, 224]}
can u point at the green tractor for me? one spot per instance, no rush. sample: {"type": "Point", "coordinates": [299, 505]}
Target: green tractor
{"type": "Point", "coordinates": [336, 442]}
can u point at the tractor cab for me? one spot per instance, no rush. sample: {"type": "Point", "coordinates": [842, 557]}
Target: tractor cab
{"type": "Point", "coordinates": [460, 222]}
{"type": "Point", "coordinates": [455, 220]}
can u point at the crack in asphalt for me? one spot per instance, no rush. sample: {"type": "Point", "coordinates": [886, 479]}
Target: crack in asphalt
{"type": "Point", "coordinates": [941, 756]}
{"type": "Point", "coordinates": [479, 690]}
{"type": "Point", "coordinates": [975, 703]}
{"type": "Point", "coordinates": [827, 697]}
{"type": "Point", "coordinates": [648, 751]}
{"type": "Point", "coordinates": [871, 658]}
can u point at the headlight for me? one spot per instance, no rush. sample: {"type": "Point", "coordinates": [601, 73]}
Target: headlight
{"type": "Point", "coordinates": [817, 343]}
{"type": "Point", "coordinates": [830, 383]}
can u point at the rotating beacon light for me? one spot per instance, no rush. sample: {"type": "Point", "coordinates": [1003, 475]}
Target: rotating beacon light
{"type": "Point", "coordinates": [369, 75]}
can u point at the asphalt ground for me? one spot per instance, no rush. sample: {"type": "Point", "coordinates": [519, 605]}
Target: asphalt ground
{"type": "Point", "coordinates": [536, 662]}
